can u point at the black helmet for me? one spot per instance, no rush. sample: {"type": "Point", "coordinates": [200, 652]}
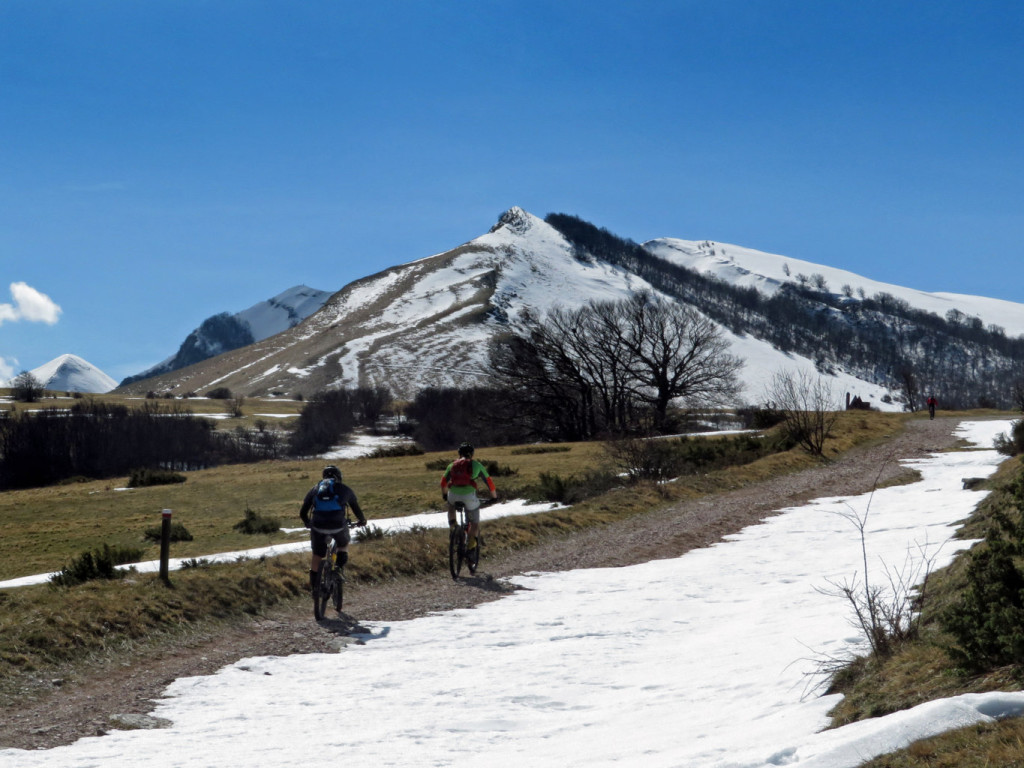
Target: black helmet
{"type": "Point", "coordinates": [332, 471]}
{"type": "Point", "coordinates": [466, 450]}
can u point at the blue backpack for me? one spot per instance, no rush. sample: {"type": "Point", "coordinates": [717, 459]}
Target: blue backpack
{"type": "Point", "coordinates": [326, 497]}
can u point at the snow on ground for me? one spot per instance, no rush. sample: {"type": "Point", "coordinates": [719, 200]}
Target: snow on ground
{"type": "Point", "coordinates": [363, 445]}
{"type": "Point", "coordinates": [705, 660]}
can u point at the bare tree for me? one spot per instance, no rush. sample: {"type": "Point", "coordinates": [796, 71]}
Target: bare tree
{"type": "Point", "coordinates": [551, 394]}
{"type": "Point", "coordinates": [908, 384]}
{"type": "Point", "coordinates": [808, 405]}
{"type": "Point", "coordinates": [677, 353]}
{"type": "Point", "coordinates": [598, 368]}
{"type": "Point", "coordinates": [26, 388]}
{"type": "Point", "coordinates": [1017, 390]}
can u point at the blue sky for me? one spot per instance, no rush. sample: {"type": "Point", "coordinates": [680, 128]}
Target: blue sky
{"type": "Point", "coordinates": [166, 160]}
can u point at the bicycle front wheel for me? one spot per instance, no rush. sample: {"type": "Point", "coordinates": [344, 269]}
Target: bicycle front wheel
{"type": "Point", "coordinates": [323, 592]}
{"type": "Point", "coordinates": [338, 593]}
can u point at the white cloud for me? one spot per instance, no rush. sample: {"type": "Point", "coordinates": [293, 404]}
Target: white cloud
{"type": "Point", "coordinates": [6, 367]}
{"type": "Point", "coordinates": [31, 305]}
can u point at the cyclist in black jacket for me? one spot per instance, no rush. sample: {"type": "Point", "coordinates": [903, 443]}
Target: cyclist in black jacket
{"type": "Point", "coordinates": [328, 500]}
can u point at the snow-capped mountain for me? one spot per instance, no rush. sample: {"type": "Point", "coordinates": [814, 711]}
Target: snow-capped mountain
{"type": "Point", "coordinates": [282, 312]}
{"type": "Point", "coordinates": [429, 322]}
{"type": "Point", "coordinates": [769, 272]}
{"type": "Point", "coordinates": [70, 373]}
{"type": "Point", "coordinates": [223, 332]}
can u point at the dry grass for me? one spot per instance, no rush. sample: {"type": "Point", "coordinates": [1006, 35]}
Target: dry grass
{"type": "Point", "coordinates": [989, 745]}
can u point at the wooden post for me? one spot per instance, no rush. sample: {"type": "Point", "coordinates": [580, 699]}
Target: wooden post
{"type": "Point", "coordinates": [165, 546]}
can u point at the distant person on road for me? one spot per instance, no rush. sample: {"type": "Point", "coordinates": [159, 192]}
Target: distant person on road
{"type": "Point", "coordinates": [932, 402]}
{"type": "Point", "coordinates": [459, 484]}
{"type": "Point", "coordinates": [328, 500]}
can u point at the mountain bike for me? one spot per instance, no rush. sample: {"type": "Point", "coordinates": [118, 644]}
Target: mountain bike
{"type": "Point", "coordinates": [458, 554]}
{"type": "Point", "coordinates": [457, 541]}
{"type": "Point", "coordinates": [332, 581]}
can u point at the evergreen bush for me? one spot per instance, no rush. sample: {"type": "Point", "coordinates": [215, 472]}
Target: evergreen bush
{"type": "Point", "coordinates": [987, 622]}
{"type": "Point", "coordinates": [552, 486]}
{"type": "Point", "coordinates": [254, 523]}
{"type": "Point", "coordinates": [96, 564]}
{"type": "Point", "coordinates": [141, 478]}
{"type": "Point", "coordinates": [178, 533]}
{"type": "Point", "coordinates": [1013, 444]}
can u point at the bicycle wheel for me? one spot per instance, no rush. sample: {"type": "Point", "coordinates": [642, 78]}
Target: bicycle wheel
{"type": "Point", "coordinates": [456, 551]}
{"type": "Point", "coordinates": [338, 593]}
{"type": "Point", "coordinates": [323, 592]}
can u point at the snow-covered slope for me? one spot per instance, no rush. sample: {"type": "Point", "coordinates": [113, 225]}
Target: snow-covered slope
{"type": "Point", "coordinates": [767, 272]}
{"type": "Point", "coordinates": [70, 373]}
{"type": "Point", "coordinates": [284, 311]}
{"type": "Point", "coordinates": [224, 332]}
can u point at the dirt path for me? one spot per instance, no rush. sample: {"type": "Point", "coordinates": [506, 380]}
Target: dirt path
{"type": "Point", "coordinates": [84, 708]}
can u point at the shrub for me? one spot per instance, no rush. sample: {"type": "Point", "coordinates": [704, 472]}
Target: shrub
{"type": "Point", "coordinates": [178, 533]}
{"type": "Point", "coordinates": [1013, 444]}
{"type": "Point", "coordinates": [219, 393]}
{"type": "Point", "coordinates": [760, 418]}
{"type": "Point", "coordinates": [493, 468]}
{"type": "Point", "coordinates": [566, 490]}
{"type": "Point", "coordinates": [989, 618]}
{"type": "Point", "coordinates": [646, 459]}
{"type": "Point", "coordinates": [253, 523]}
{"type": "Point", "coordinates": [96, 564]}
{"type": "Point", "coordinates": [392, 451]}
{"type": "Point", "coordinates": [541, 449]}
{"type": "Point", "coordinates": [141, 478]}
{"type": "Point", "coordinates": [663, 459]}
{"type": "Point", "coordinates": [369, 533]}
{"type": "Point", "coordinates": [987, 621]}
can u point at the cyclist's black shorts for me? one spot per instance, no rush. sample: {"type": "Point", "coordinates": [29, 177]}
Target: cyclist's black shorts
{"type": "Point", "coordinates": [318, 539]}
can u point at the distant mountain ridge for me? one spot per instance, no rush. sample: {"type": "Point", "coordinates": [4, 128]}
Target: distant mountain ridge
{"type": "Point", "coordinates": [429, 322]}
{"type": "Point", "coordinates": [70, 373]}
{"type": "Point", "coordinates": [224, 332]}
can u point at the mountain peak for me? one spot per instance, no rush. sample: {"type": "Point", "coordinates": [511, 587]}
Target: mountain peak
{"type": "Point", "coordinates": [70, 373]}
{"type": "Point", "coordinates": [515, 219]}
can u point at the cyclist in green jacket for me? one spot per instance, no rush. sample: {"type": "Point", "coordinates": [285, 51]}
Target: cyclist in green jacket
{"type": "Point", "coordinates": [459, 484]}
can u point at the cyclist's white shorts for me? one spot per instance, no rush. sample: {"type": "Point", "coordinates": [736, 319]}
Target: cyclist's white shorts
{"type": "Point", "coordinates": [470, 500]}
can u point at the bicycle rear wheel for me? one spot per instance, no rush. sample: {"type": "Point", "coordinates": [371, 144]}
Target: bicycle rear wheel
{"type": "Point", "coordinates": [324, 590]}
{"type": "Point", "coordinates": [456, 551]}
